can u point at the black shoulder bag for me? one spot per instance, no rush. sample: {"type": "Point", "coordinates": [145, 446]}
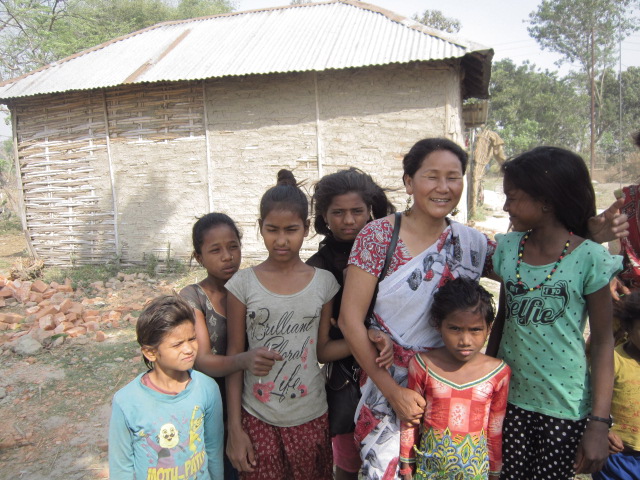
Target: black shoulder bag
{"type": "Point", "coordinates": [343, 389]}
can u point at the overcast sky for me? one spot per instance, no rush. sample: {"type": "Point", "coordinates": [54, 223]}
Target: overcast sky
{"type": "Point", "coordinates": [499, 24]}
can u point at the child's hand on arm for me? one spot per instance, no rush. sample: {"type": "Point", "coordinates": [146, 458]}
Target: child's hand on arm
{"type": "Point", "coordinates": [615, 444]}
{"type": "Point", "coordinates": [259, 361]}
{"type": "Point", "coordinates": [618, 288]}
{"type": "Point", "coordinates": [384, 345]}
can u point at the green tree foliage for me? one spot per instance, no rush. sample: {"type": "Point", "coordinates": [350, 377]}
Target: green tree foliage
{"type": "Point", "coordinates": [34, 33]}
{"type": "Point", "coordinates": [530, 107]}
{"type": "Point", "coordinates": [619, 119]}
{"type": "Point", "coordinates": [585, 32]}
{"type": "Point", "coordinates": [436, 19]}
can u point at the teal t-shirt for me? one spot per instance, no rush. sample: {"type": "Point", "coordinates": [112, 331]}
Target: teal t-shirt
{"type": "Point", "coordinates": [543, 340]}
{"type": "Point", "coordinates": [153, 435]}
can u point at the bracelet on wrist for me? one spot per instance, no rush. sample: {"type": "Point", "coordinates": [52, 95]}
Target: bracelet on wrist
{"type": "Point", "coordinates": [608, 421]}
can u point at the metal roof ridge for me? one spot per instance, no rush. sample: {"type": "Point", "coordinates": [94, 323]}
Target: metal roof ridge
{"type": "Point", "coordinates": [184, 27]}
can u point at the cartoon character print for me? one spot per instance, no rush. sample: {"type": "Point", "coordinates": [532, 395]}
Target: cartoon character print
{"type": "Point", "coordinates": [195, 426]}
{"type": "Point", "coordinates": [173, 457]}
{"type": "Point", "coordinates": [528, 308]}
{"type": "Point", "coordinates": [167, 440]}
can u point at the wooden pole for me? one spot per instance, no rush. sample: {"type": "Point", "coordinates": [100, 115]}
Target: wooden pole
{"type": "Point", "coordinates": [112, 177]}
{"type": "Point", "coordinates": [21, 202]}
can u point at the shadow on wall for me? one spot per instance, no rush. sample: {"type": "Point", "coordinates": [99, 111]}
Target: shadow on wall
{"type": "Point", "coordinates": [144, 211]}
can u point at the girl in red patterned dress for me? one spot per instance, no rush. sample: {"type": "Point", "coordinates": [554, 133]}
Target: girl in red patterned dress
{"type": "Point", "coordinates": [465, 392]}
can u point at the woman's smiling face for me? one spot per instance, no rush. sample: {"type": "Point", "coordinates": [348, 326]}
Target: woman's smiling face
{"type": "Point", "coordinates": [437, 185]}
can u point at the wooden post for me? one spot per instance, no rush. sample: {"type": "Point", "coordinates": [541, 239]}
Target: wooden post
{"type": "Point", "coordinates": [207, 145]}
{"type": "Point", "coordinates": [112, 176]}
{"type": "Point", "coordinates": [21, 202]}
{"type": "Point", "coordinates": [319, 146]}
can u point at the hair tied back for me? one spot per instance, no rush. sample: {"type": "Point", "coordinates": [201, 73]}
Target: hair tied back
{"type": "Point", "coordinates": [285, 177]}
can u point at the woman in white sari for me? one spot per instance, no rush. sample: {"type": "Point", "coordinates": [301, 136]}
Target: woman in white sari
{"type": "Point", "coordinates": [431, 249]}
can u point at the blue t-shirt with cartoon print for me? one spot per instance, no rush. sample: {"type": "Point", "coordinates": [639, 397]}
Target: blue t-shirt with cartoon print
{"type": "Point", "coordinates": [543, 340]}
{"type": "Point", "coordinates": [155, 436]}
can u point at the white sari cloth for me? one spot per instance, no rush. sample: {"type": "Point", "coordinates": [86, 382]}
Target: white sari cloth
{"type": "Point", "coordinates": [402, 310]}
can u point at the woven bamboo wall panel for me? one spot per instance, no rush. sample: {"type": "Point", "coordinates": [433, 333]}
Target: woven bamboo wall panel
{"type": "Point", "coordinates": [62, 148]}
{"type": "Point", "coordinates": [155, 113]}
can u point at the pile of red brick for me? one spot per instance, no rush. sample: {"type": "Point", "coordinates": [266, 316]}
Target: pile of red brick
{"type": "Point", "coordinates": [44, 310]}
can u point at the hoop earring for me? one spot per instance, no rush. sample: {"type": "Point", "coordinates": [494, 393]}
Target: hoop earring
{"type": "Point", "coordinates": [328, 227]}
{"type": "Point", "coordinates": [455, 211]}
{"type": "Point", "coordinates": [407, 209]}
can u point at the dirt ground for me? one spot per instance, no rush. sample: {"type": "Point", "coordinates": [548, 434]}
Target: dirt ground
{"type": "Point", "coordinates": [55, 405]}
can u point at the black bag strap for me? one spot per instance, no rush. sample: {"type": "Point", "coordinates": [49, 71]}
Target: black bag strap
{"type": "Point", "coordinates": [387, 261]}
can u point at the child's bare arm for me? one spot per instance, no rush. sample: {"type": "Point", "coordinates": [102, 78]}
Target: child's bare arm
{"type": "Point", "coordinates": [258, 361]}
{"type": "Point", "coordinates": [239, 448]}
{"type": "Point", "coordinates": [498, 326]}
{"type": "Point", "coordinates": [594, 446]}
{"type": "Point", "coordinates": [329, 350]}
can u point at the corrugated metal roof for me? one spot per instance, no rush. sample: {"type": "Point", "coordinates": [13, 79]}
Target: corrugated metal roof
{"type": "Point", "coordinates": [332, 35]}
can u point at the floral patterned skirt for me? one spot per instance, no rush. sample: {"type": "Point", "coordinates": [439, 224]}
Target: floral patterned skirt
{"type": "Point", "coordinates": [443, 456]}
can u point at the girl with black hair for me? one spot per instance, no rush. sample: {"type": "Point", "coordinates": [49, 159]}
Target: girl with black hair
{"type": "Point", "coordinates": [460, 435]}
{"type": "Point", "coordinates": [558, 415]}
{"type": "Point", "coordinates": [168, 420]}
{"type": "Point", "coordinates": [217, 248]}
{"type": "Point", "coordinates": [278, 424]}
{"type": "Point", "coordinates": [431, 249]}
{"type": "Point", "coordinates": [343, 203]}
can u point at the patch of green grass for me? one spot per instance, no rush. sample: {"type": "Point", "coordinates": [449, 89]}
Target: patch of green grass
{"type": "Point", "coordinates": [96, 370]}
{"type": "Point", "coordinates": [10, 224]}
{"type": "Point", "coordinates": [80, 276]}
{"type": "Point", "coordinates": [191, 275]}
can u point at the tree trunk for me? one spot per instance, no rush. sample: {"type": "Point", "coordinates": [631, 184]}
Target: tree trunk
{"type": "Point", "coordinates": [592, 79]}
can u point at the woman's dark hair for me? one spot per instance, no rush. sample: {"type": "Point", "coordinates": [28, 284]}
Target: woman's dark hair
{"type": "Point", "coordinates": [162, 315]}
{"type": "Point", "coordinates": [352, 180]}
{"type": "Point", "coordinates": [461, 294]}
{"type": "Point", "coordinates": [412, 161]}
{"type": "Point", "coordinates": [286, 195]}
{"type": "Point", "coordinates": [559, 178]}
{"type": "Point", "coordinates": [636, 138]}
{"type": "Point", "coordinates": [627, 310]}
{"type": "Point", "coordinates": [205, 223]}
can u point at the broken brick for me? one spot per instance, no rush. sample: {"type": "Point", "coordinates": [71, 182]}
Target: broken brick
{"type": "Point", "coordinates": [39, 286]}
{"type": "Point", "coordinates": [76, 331]}
{"type": "Point", "coordinates": [49, 310]}
{"type": "Point", "coordinates": [47, 322]}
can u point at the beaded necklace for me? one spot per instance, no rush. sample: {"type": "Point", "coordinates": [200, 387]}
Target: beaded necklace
{"type": "Point", "coordinates": [553, 270]}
